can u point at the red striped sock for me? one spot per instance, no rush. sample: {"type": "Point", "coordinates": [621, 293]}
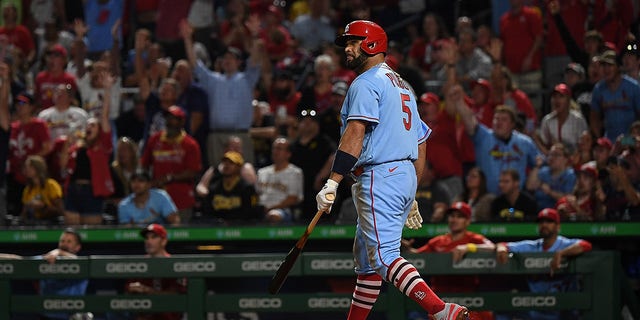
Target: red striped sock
{"type": "Point", "coordinates": [406, 278]}
{"type": "Point", "coordinates": [364, 296]}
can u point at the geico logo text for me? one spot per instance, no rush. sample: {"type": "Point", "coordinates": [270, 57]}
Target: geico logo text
{"type": "Point", "coordinates": [63, 304]}
{"type": "Point", "coordinates": [332, 264]}
{"type": "Point", "coordinates": [260, 303]}
{"type": "Point", "coordinates": [544, 301]}
{"type": "Point", "coordinates": [130, 304]}
{"type": "Point", "coordinates": [466, 301]}
{"type": "Point", "coordinates": [59, 268]}
{"type": "Point", "coordinates": [471, 263]}
{"type": "Point", "coordinates": [540, 263]}
{"type": "Point", "coordinates": [208, 266]}
{"type": "Point", "coordinates": [329, 302]}
{"type": "Point", "coordinates": [127, 267]}
{"type": "Point", "coordinates": [253, 265]}
{"type": "Point", "coordinates": [6, 268]}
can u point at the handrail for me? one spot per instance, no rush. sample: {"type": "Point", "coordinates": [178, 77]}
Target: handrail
{"type": "Point", "coordinates": [292, 232]}
{"type": "Point", "coordinates": [600, 269]}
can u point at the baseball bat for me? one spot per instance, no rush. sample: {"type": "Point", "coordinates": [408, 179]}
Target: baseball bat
{"type": "Point", "coordinates": [285, 267]}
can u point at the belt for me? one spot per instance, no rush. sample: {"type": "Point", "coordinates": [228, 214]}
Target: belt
{"type": "Point", "coordinates": [82, 181]}
{"type": "Point", "coordinates": [359, 170]}
{"type": "Point", "coordinates": [229, 131]}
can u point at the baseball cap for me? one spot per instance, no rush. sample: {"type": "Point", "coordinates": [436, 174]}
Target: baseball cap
{"type": "Point", "coordinates": [234, 157]}
{"type": "Point", "coordinates": [58, 49]}
{"type": "Point", "coordinates": [604, 142]}
{"type": "Point", "coordinates": [575, 67]}
{"type": "Point", "coordinates": [608, 57]}
{"type": "Point", "coordinates": [461, 207]}
{"type": "Point", "coordinates": [159, 230]}
{"type": "Point", "coordinates": [484, 83]}
{"type": "Point", "coordinates": [176, 112]}
{"type": "Point", "coordinates": [340, 88]}
{"type": "Point", "coordinates": [562, 89]}
{"type": "Point", "coordinates": [430, 98]}
{"type": "Point", "coordinates": [549, 214]}
{"type": "Point", "coordinates": [590, 169]}
{"type": "Point", "coordinates": [25, 97]}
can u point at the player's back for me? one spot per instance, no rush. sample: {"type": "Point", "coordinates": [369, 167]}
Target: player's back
{"type": "Point", "coordinates": [382, 98]}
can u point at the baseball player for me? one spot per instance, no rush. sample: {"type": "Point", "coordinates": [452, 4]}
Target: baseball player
{"type": "Point", "coordinates": [382, 146]}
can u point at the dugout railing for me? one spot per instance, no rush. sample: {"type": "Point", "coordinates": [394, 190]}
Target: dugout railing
{"type": "Point", "coordinates": [599, 298]}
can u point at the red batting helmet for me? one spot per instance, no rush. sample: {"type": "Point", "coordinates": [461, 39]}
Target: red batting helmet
{"type": "Point", "coordinates": [374, 39]}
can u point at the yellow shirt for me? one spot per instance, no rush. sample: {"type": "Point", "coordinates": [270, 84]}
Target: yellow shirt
{"type": "Point", "coordinates": [46, 194]}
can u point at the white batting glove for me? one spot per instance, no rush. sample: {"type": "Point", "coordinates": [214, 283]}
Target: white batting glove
{"type": "Point", "coordinates": [326, 196]}
{"type": "Point", "coordinates": [414, 219]}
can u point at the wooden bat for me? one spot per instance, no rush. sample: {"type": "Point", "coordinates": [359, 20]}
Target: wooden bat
{"type": "Point", "coordinates": [288, 262]}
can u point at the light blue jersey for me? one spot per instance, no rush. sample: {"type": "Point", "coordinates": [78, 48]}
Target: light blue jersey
{"type": "Point", "coordinates": [386, 186]}
{"type": "Point", "coordinates": [379, 96]}
{"type": "Point", "coordinates": [494, 155]}
{"type": "Point", "coordinates": [619, 107]}
{"type": "Point", "coordinates": [156, 210]}
{"type": "Point", "coordinates": [544, 283]}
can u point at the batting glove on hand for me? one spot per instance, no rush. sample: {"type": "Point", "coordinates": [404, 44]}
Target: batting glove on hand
{"type": "Point", "coordinates": [414, 220]}
{"type": "Point", "coordinates": [326, 196]}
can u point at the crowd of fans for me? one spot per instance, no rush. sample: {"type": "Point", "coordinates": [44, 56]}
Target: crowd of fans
{"type": "Point", "coordinates": [171, 112]}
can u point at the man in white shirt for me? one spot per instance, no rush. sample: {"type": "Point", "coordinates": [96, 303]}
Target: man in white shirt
{"type": "Point", "coordinates": [279, 185]}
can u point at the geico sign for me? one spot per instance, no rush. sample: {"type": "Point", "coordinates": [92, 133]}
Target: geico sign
{"type": "Point", "coordinates": [545, 301]}
{"type": "Point", "coordinates": [332, 264]}
{"type": "Point", "coordinates": [329, 302]}
{"type": "Point", "coordinates": [63, 304]}
{"type": "Point", "coordinates": [126, 267]}
{"type": "Point", "coordinates": [540, 263]}
{"type": "Point", "coordinates": [477, 263]}
{"type": "Point", "coordinates": [208, 266]}
{"type": "Point", "coordinates": [466, 301]}
{"type": "Point", "coordinates": [6, 268]}
{"type": "Point", "coordinates": [59, 268]}
{"type": "Point", "coordinates": [260, 303]}
{"type": "Point", "coordinates": [259, 265]}
{"type": "Point", "coordinates": [130, 304]}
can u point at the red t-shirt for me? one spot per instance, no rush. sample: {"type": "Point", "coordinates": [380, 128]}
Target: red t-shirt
{"type": "Point", "coordinates": [175, 285]}
{"type": "Point", "coordinates": [422, 52]}
{"type": "Point", "coordinates": [484, 113]}
{"type": "Point", "coordinates": [276, 41]}
{"type": "Point", "coordinates": [20, 37]}
{"type": "Point", "coordinates": [444, 243]}
{"type": "Point", "coordinates": [46, 83]}
{"type": "Point", "coordinates": [518, 33]}
{"type": "Point", "coordinates": [99, 155]}
{"type": "Point", "coordinates": [519, 101]}
{"type": "Point", "coordinates": [25, 140]}
{"type": "Point", "coordinates": [614, 24]}
{"type": "Point", "coordinates": [174, 156]}
{"type": "Point", "coordinates": [442, 147]}
{"type": "Point", "coordinates": [465, 145]}
{"type": "Point", "coordinates": [574, 15]}
{"type": "Point", "coordinates": [291, 105]}
{"type": "Point", "coordinates": [170, 13]}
